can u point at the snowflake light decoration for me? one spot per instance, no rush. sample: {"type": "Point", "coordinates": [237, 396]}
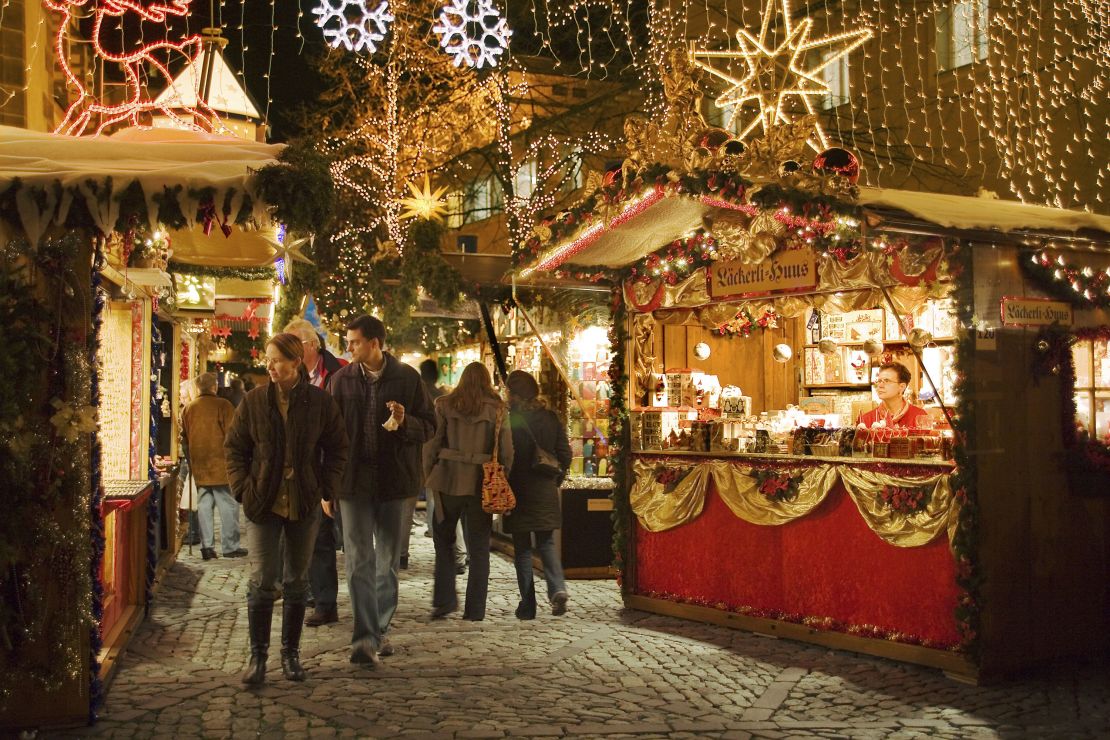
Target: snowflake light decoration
{"type": "Point", "coordinates": [473, 32]}
{"type": "Point", "coordinates": [352, 24]}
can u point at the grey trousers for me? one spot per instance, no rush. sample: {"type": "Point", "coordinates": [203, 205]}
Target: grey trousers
{"type": "Point", "coordinates": [371, 541]}
{"type": "Point", "coordinates": [269, 560]}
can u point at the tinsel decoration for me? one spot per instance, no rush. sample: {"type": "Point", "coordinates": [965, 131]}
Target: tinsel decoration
{"type": "Point", "coordinates": [620, 435]}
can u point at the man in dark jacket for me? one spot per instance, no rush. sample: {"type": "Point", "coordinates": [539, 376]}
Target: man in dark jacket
{"type": "Point", "coordinates": [388, 417]}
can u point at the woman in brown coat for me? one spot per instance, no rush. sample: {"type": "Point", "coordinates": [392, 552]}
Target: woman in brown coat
{"type": "Point", "coordinates": [466, 420]}
{"type": "Point", "coordinates": [286, 450]}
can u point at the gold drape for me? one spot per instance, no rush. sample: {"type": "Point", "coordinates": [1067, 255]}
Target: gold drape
{"type": "Point", "coordinates": [899, 529]}
{"type": "Point", "coordinates": [659, 509]}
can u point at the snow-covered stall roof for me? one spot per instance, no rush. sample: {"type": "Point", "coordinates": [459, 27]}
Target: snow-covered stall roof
{"type": "Point", "coordinates": [991, 214]}
{"type": "Point", "coordinates": [192, 166]}
{"type": "Point", "coordinates": [638, 231]}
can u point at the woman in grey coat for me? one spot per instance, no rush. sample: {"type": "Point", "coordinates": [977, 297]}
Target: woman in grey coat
{"type": "Point", "coordinates": [465, 422]}
{"type": "Point", "coordinates": [537, 511]}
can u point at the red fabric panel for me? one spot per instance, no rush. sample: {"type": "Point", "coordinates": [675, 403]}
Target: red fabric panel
{"type": "Point", "coordinates": [828, 565]}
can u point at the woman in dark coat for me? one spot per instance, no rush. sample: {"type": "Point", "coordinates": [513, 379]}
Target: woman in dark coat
{"type": "Point", "coordinates": [286, 450]}
{"type": "Point", "coordinates": [537, 511]}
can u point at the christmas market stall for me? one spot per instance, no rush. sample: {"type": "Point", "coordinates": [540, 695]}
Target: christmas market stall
{"type": "Point", "coordinates": [91, 230]}
{"type": "Point", "coordinates": [870, 419]}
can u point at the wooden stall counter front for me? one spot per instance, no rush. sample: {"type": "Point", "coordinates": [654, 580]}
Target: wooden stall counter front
{"type": "Point", "coordinates": [847, 552]}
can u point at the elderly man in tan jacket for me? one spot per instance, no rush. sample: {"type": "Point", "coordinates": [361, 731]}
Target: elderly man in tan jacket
{"type": "Point", "coordinates": [205, 423]}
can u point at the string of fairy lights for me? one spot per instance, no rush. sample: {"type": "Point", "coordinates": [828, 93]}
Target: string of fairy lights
{"type": "Point", "coordinates": [945, 95]}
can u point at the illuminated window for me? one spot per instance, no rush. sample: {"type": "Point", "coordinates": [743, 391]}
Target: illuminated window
{"type": "Point", "coordinates": [1092, 387]}
{"type": "Point", "coordinates": [484, 199]}
{"type": "Point", "coordinates": [456, 209]}
{"type": "Point", "coordinates": [524, 180]}
{"type": "Point", "coordinates": [962, 36]}
{"type": "Point", "coordinates": [13, 98]}
{"type": "Point", "coordinates": [835, 75]}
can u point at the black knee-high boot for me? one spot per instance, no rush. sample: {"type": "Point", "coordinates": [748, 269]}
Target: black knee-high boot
{"type": "Point", "coordinates": [292, 621]}
{"type": "Point", "coordinates": [259, 618]}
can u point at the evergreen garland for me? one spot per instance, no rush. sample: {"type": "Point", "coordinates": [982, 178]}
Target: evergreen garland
{"type": "Point", "coordinates": [223, 273]}
{"type": "Point", "coordinates": [621, 435]}
{"type": "Point", "coordinates": [965, 477]}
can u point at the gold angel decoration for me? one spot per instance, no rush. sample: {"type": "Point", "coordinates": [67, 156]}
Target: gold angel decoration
{"type": "Point", "coordinates": [745, 238]}
{"type": "Point", "coordinates": [666, 142]}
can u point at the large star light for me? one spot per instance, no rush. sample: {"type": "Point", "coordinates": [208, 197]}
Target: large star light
{"type": "Point", "coordinates": [426, 203]}
{"type": "Point", "coordinates": [776, 75]}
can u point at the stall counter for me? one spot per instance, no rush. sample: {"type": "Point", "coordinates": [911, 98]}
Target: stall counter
{"type": "Point", "coordinates": [855, 547]}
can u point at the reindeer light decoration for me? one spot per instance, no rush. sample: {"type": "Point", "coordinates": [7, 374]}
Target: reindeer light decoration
{"type": "Point", "coordinates": [87, 111]}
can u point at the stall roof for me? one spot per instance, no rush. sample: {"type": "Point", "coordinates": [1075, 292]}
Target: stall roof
{"type": "Point", "coordinates": [154, 158]}
{"type": "Point", "coordinates": [638, 233]}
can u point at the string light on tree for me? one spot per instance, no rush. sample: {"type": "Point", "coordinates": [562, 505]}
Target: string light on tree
{"type": "Point", "coordinates": [777, 74]}
{"type": "Point", "coordinates": [472, 32]}
{"type": "Point", "coordinates": [352, 24]}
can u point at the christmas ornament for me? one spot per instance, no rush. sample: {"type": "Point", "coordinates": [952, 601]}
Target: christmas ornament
{"type": "Point", "coordinates": [775, 75]}
{"type": "Point", "coordinates": [351, 23]}
{"type": "Point", "coordinates": [873, 347]}
{"type": "Point", "coordinates": [712, 138]}
{"type": "Point", "coordinates": [473, 32]}
{"type": "Point", "coordinates": [425, 203]}
{"type": "Point", "coordinates": [782, 352]}
{"type": "Point", "coordinates": [837, 161]}
{"type": "Point", "coordinates": [789, 167]}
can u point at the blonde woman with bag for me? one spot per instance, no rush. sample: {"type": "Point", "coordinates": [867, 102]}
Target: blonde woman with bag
{"type": "Point", "coordinates": [471, 422]}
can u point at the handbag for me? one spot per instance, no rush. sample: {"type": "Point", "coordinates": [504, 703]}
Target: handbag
{"type": "Point", "coordinates": [497, 496]}
{"type": "Point", "coordinates": [543, 462]}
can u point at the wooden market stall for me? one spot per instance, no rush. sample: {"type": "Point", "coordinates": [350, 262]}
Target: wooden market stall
{"type": "Point", "coordinates": [756, 485]}
{"type": "Point", "coordinates": [87, 227]}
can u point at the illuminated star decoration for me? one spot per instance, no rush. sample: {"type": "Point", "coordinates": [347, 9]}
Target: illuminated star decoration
{"type": "Point", "coordinates": [425, 203]}
{"type": "Point", "coordinates": [774, 75]}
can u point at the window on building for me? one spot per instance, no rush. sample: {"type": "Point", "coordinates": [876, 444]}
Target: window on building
{"type": "Point", "coordinates": [456, 209]}
{"type": "Point", "coordinates": [1092, 387]}
{"type": "Point", "coordinates": [524, 180]}
{"type": "Point", "coordinates": [962, 36]}
{"type": "Point", "coordinates": [13, 98]}
{"type": "Point", "coordinates": [484, 199]}
{"type": "Point", "coordinates": [835, 75]}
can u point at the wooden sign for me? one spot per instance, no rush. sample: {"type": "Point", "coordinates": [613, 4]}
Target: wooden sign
{"type": "Point", "coordinates": [1035, 312]}
{"type": "Point", "coordinates": [793, 269]}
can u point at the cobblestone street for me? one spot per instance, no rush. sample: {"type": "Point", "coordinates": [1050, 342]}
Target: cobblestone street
{"type": "Point", "coordinates": [599, 671]}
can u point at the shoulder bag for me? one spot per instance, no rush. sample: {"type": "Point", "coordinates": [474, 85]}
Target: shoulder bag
{"type": "Point", "coordinates": [543, 462]}
{"type": "Point", "coordinates": [497, 496]}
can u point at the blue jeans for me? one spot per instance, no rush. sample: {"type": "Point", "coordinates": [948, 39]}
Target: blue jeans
{"type": "Point", "coordinates": [209, 499]}
{"type": "Point", "coordinates": [323, 577]}
{"type": "Point", "coordinates": [371, 541]}
{"type": "Point", "coordinates": [270, 562]}
{"type": "Point", "coordinates": [430, 515]}
{"type": "Point", "coordinates": [477, 530]}
{"type": "Point", "coordinates": [552, 568]}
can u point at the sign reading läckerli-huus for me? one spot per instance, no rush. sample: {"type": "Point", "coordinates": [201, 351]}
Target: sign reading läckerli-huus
{"type": "Point", "coordinates": [793, 269]}
{"type": "Point", "coordinates": [1035, 312]}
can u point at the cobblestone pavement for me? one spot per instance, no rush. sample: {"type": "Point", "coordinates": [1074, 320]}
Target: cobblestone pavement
{"type": "Point", "coordinates": [598, 671]}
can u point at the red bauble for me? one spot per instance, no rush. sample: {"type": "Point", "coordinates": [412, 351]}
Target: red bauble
{"type": "Point", "coordinates": [837, 161]}
{"type": "Point", "coordinates": [712, 138]}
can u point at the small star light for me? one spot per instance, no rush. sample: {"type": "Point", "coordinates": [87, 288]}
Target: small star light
{"type": "Point", "coordinates": [352, 24]}
{"type": "Point", "coordinates": [425, 203]}
{"type": "Point", "coordinates": [776, 74]}
{"type": "Point", "coordinates": [473, 32]}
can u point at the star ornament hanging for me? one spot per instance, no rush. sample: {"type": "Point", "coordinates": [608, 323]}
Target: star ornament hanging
{"type": "Point", "coordinates": [425, 203]}
{"type": "Point", "coordinates": [777, 77]}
